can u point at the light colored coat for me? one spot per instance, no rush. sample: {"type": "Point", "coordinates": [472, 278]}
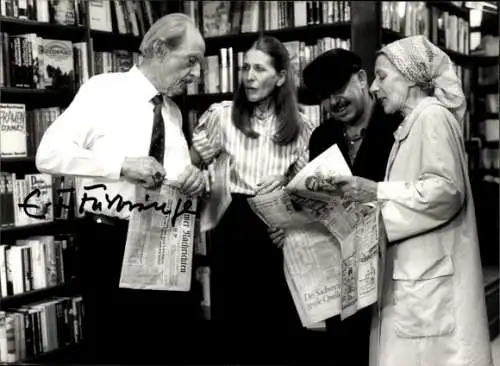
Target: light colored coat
{"type": "Point", "coordinates": [433, 309]}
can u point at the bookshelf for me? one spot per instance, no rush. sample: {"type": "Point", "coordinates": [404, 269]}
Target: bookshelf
{"type": "Point", "coordinates": [47, 286]}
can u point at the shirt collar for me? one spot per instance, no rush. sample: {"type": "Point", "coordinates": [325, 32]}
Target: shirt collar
{"type": "Point", "coordinates": [142, 85]}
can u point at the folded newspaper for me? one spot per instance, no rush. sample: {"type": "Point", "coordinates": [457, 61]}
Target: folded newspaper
{"type": "Point", "coordinates": [332, 246]}
{"type": "Point", "coordinates": [159, 248]}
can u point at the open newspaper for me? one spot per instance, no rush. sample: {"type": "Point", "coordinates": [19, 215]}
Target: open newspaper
{"type": "Point", "coordinates": [159, 248]}
{"type": "Point", "coordinates": [332, 245]}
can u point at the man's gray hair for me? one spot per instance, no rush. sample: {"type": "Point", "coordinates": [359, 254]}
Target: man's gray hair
{"type": "Point", "coordinates": [170, 29]}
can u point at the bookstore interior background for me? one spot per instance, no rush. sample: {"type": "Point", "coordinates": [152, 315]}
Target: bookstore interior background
{"type": "Point", "coordinates": [49, 48]}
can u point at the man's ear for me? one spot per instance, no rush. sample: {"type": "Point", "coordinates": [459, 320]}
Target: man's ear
{"type": "Point", "coordinates": [281, 78]}
{"type": "Point", "coordinates": [363, 79]}
{"type": "Point", "coordinates": [160, 49]}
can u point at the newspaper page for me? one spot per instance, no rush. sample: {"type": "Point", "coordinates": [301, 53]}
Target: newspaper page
{"type": "Point", "coordinates": [276, 209]}
{"type": "Point", "coordinates": [220, 194]}
{"type": "Point", "coordinates": [159, 248]}
{"type": "Point", "coordinates": [312, 259]}
{"type": "Point", "coordinates": [332, 254]}
{"type": "Point", "coordinates": [360, 263]}
{"type": "Point", "coordinates": [307, 182]}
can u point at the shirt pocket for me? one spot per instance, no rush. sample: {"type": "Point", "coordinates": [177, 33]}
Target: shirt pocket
{"type": "Point", "coordinates": [423, 300]}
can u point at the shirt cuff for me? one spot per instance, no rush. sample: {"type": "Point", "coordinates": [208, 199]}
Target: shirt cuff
{"type": "Point", "coordinates": [112, 166]}
{"type": "Point", "coordinates": [201, 144]}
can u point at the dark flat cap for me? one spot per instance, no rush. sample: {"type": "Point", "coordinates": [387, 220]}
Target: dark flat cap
{"type": "Point", "coordinates": [330, 71]}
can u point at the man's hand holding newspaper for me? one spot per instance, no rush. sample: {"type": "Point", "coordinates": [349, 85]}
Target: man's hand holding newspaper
{"type": "Point", "coordinates": [159, 248]}
{"type": "Point", "coordinates": [331, 244]}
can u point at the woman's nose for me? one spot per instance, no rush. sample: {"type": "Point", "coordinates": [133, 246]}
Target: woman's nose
{"type": "Point", "coordinates": [250, 74]}
{"type": "Point", "coordinates": [374, 87]}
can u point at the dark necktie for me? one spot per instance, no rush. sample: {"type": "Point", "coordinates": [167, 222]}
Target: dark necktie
{"type": "Point", "coordinates": [157, 148]}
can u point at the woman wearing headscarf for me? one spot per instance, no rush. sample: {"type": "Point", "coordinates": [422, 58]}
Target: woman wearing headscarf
{"type": "Point", "coordinates": [432, 309]}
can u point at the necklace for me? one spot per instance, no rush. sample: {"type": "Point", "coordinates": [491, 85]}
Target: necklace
{"type": "Point", "coordinates": [262, 115]}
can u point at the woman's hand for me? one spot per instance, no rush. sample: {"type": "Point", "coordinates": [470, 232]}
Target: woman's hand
{"type": "Point", "coordinates": [356, 188]}
{"type": "Point", "coordinates": [270, 184]}
{"type": "Point", "coordinates": [277, 236]}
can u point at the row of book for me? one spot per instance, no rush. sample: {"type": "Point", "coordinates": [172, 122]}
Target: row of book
{"type": "Point", "coordinates": [35, 190]}
{"type": "Point", "coordinates": [450, 32]}
{"type": "Point", "coordinates": [121, 16]}
{"type": "Point", "coordinates": [35, 329]}
{"type": "Point", "coordinates": [37, 199]}
{"type": "Point", "coordinates": [218, 70]}
{"type": "Point", "coordinates": [30, 61]}
{"type": "Point", "coordinates": [285, 14]}
{"type": "Point", "coordinates": [62, 12]}
{"type": "Point", "coordinates": [406, 18]}
{"type": "Point", "coordinates": [22, 130]}
{"type": "Point", "coordinates": [231, 17]}
{"type": "Point", "coordinates": [414, 18]}
{"type": "Point", "coordinates": [114, 61]}
{"type": "Point", "coordinates": [36, 263]}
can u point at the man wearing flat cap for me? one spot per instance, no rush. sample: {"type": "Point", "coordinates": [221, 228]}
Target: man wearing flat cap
{"type": "Point", "coordinates": [364, 134]}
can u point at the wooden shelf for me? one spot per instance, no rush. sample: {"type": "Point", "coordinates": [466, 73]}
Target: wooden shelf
{"type": "Point", "coordinates": [20, 160]}
{"type": "Point", "coordinates": [13, 301]}
{"type": "Point", "coordinates": [20, 166]}
{"type": "Point", "coordinates": [202, 101]}
{"type": "Point", "coordinates": [36, 92]}
{"type": "Point", "coordinates": [388, 36]}
{"type": "Point", "coordinates": [37, 98]}
{"type": "Point", "coordinates": [46, 228]}
{"type": "Point", "coordinates": [308, 34]}
{"type": "Point", "coordinates": [43, 29]}
{"type": "Point", "coordinates": [108, 41]}
{"type": "Point", "coordinates": [312, 32]}
{"type": "Point", "coordinates": [45, 358]}
{"type": "Point", "coordinates": [488, 89]}
{"type": "Point", "coordinates": [458, 57]}
{"type": "Point", "coordinates": [485, 61]}
{"type": "Point", "coordinates": [491, 144]}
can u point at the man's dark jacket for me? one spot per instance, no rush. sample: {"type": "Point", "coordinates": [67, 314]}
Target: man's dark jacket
{"type": "Point", "coordinates": [372, 156]}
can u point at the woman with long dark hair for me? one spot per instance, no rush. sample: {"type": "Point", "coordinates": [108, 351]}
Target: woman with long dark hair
{"type": "Point", "coordinates": [258, 142]}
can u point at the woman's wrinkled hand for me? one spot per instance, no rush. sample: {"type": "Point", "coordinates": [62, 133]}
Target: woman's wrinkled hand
{"type": "Point", "coordinates": [270, 184]}
{"type": "Point", "coordinates": [356, 188]}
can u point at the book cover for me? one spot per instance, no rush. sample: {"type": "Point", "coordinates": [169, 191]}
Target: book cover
{"type": "Point", "coordinates": [13, 140]}
{"type": "Point", "coordinates": [44, 211]}
{"type": "Point", "coordinates": [58, 66]}
{"type": "Point", "coordinates": [62, 12]}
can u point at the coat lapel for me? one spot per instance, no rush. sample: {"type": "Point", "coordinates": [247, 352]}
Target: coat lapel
{"type": "Point", "coordinates": [403, 131]}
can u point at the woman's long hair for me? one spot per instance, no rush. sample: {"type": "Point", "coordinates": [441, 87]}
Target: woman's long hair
{"type": "Point", "coordinates": [285, 96]}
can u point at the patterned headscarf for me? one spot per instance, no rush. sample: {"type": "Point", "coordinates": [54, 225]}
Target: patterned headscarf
{"type": "Point", "coordinates": [423, 63]}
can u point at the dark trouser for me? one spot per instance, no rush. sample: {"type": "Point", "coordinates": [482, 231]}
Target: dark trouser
{"type": "Point", "coordinates": [351, 334]}
{"type": "Point", "coordinates": [252, 309]}
{"type": "Point", "coordinates": [131, 326]}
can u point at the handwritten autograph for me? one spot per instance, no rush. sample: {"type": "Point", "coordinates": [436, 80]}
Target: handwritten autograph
{"type": "Point", "coordinates": [97, 205]}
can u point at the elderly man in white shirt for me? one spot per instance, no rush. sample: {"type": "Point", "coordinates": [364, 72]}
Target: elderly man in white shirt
{"type": "Point", "coordinates": [123, 130]}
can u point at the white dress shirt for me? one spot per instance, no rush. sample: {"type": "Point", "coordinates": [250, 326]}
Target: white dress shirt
{"type": "Point", "coordinates": [110, 118]}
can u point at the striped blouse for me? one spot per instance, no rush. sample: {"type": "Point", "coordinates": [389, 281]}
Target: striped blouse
{"type": "Point", "coordinates": [252, 159]}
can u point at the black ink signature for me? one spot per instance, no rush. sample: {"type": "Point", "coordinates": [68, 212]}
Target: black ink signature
{"type": "Point", "coordinates": [97, 205]}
